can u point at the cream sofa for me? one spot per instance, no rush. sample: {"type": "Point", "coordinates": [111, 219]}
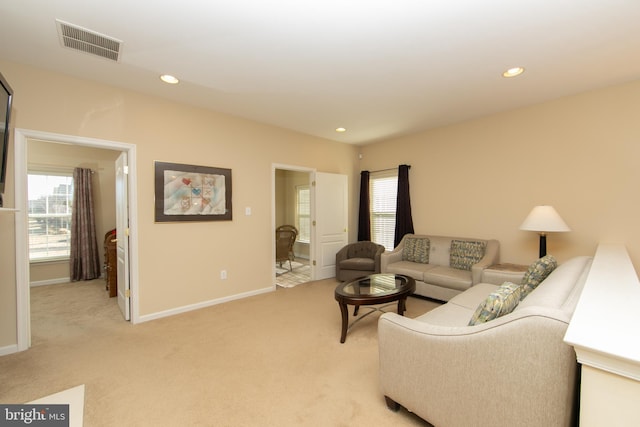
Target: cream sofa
{"type": "Point", "coordinates": [514, 370]}
{"type": "Point", "coordinates": [435, 263]}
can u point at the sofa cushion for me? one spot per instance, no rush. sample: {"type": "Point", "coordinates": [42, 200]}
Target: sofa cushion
{"type": "Point", "coordinates": [466, 253]}
{"type": "Point", "coordinates": [450, 315]}
{"type": "Point", "coordinates": [440, 250]}
{"type": "Point", "coordinates": [500, 302]}
{"type": "Point", "coordinates": [536, 273]}
{"type": "Point", "coordinates": [448, 277]}
{"type": "Point", "coordinates": [416, 250]}
{"type": "Point", "coordinates": [361, 264]}
{"type": "Point", "coordinates": [473, 296]}
{"type": "Point", "coordinates": [408, 268]}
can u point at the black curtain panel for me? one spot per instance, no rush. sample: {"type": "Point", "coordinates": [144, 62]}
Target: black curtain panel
{"type": "Point", "coordinates": [364, 214]}
{"type": "Point", "coordinates": [404, 221]}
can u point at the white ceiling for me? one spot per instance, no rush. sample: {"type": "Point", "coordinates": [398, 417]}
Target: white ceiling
{"type": "Point", "coordinates": [380, 68]}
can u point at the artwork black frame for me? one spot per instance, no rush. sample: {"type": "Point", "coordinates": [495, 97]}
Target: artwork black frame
{"type": "Point", "coordinates": [191, 193]}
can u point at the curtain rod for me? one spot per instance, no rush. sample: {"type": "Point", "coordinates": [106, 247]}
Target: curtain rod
{"type": "Point", "coordinates": [386, 170]}
{"type": "Point", "coordinates": [54, 167]}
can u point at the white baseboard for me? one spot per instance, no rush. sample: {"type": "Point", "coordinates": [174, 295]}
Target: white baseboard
{"type": "Point", "coordinates": [49, 282]}
{"type": "Point", "coordinates": [191, 307]}
{"type": "Point", "coordinates": [10, 349]}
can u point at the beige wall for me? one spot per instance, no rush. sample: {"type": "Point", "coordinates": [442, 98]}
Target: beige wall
{"type": "Point", "coordinates": [179, 263]}
{"type": "Point", "coordinates": [47, 156]}
{"type": "Point", "coordinates": [481, 178]}
{"type": "Point", "coordinates": [8, 313]}
{"type": "Point", "coordinates": [8, 294]}
{"type": "Point", "coordinates": [281, 196]}
{"type": "Point", "coordinates": [477, 179]}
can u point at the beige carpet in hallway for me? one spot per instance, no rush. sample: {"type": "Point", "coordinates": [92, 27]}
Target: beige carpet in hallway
{"type": "Point", "coordinates": [270, 360]}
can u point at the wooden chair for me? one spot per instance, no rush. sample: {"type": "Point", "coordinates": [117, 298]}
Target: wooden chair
{"type": "Point", "coordinates": [286, 236]}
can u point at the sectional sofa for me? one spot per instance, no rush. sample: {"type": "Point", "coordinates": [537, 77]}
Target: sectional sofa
{"type": "Point", "coordinates": [512, 370]}
{"type": "Point", "coordinates": [442, 266]}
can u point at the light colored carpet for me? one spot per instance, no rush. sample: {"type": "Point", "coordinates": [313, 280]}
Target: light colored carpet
{"type": "Point", "coordinates": [270, 360]}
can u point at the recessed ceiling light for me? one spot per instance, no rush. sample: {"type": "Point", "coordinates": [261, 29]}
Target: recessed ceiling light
{"type": "Point", "coordinates": [169, 79]}
{"type": "Point", "coordinates": [512, 72]}
{"type": "Point", "coordinates": [341, 130]}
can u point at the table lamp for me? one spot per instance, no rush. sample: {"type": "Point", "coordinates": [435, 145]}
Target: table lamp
{"type": "Point", "coordinates": [544, 219]}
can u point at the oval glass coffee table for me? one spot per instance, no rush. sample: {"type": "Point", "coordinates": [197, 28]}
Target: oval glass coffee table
{"type": "Point", "coordinates": [372, 290]}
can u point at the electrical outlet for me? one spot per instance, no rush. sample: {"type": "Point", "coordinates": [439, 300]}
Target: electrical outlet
{"type": "Point", "coordinates": [223, 274]}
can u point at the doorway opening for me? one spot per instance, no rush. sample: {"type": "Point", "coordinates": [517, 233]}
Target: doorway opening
{"type": "Point", "coordinates": [23, 274]}
{"type": "Point", "coordinates": [292, 208]}
{"type": "Point", "coordinates": [50, 168]}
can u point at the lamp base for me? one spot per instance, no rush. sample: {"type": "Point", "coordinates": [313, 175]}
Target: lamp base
{"type": "Point", "coordinates": [543, 245]}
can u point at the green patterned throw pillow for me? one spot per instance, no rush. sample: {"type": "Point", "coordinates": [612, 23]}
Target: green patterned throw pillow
{"type": "Point", "coordinates": [416, 250]}
{"type": "Point", "coordinates": [465, 253]}
{"type": "Point", "coordinates": [499, 302]}
{"type": "Point", "coordinates": [537, 272]}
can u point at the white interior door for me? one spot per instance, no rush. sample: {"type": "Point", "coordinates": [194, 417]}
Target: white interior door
{"type": "Point", "coordinates": [122, 235]}
{"type": "Point", "coordinates": [330, 198]}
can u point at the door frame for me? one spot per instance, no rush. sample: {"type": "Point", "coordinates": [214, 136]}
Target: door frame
{"type": "Point", "coordinates": [23, 309]}
{"type": "Point", "coordinates": [122, 235]}
{"type": "Point", "coordinates": [311, 173]}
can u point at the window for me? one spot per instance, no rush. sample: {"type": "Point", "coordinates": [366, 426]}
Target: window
{"type": "Point", "coordinates": [383, 190]}
{"type": "Point", "coordinates": [50, 201]}
{"type": "Point", "coordinates": [303, 213]}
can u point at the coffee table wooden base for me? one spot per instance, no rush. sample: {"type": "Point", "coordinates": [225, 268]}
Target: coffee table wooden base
{"type": "Point", "coordinates": [375, 289]}
{"type": "Point", "coordinates": [344, 311]}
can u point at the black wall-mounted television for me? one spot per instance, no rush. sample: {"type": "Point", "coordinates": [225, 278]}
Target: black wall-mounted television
{"type": "Point", "coordinates": [6, 94]}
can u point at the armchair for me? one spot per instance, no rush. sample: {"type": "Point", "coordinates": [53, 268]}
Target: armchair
{"type": "Point", "coordinates": [285, 238]}
{"type": "Point", "coordinates": [357, 260]}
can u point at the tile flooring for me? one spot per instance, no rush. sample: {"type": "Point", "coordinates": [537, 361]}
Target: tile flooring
{"type": "Point", "coordinates": [301, 273]}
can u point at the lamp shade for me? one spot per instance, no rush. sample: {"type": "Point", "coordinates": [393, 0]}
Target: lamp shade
{"type": "Point", "coordinates": [544, 219]}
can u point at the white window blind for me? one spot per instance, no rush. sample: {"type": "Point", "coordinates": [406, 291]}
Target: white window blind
{"type": "Point", "coordinates": [383, 191]}
{"type": "Point", "coordinates": [303, 213]}
{"type": "Point", "coordinates": [50, 201]}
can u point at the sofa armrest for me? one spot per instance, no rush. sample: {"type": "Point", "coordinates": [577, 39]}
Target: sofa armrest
{"type": "Point", "coordinates": [393, 256]}
{"type": "Point", "coordinates": [514, 370]}
{"type": "Point", "coordinates": [491, 256]}
{"type": "Point", "coordinates": [342, 254]}
{"type": "Point", "coordinates": [389, 257]}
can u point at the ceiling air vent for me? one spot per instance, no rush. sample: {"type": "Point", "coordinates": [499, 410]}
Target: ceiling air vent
{"type": "Point", "coordinates": [88, 41]}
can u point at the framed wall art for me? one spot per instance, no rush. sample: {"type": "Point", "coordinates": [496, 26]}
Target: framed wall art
{"type": "Point", "coordinates": [192, 193]}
